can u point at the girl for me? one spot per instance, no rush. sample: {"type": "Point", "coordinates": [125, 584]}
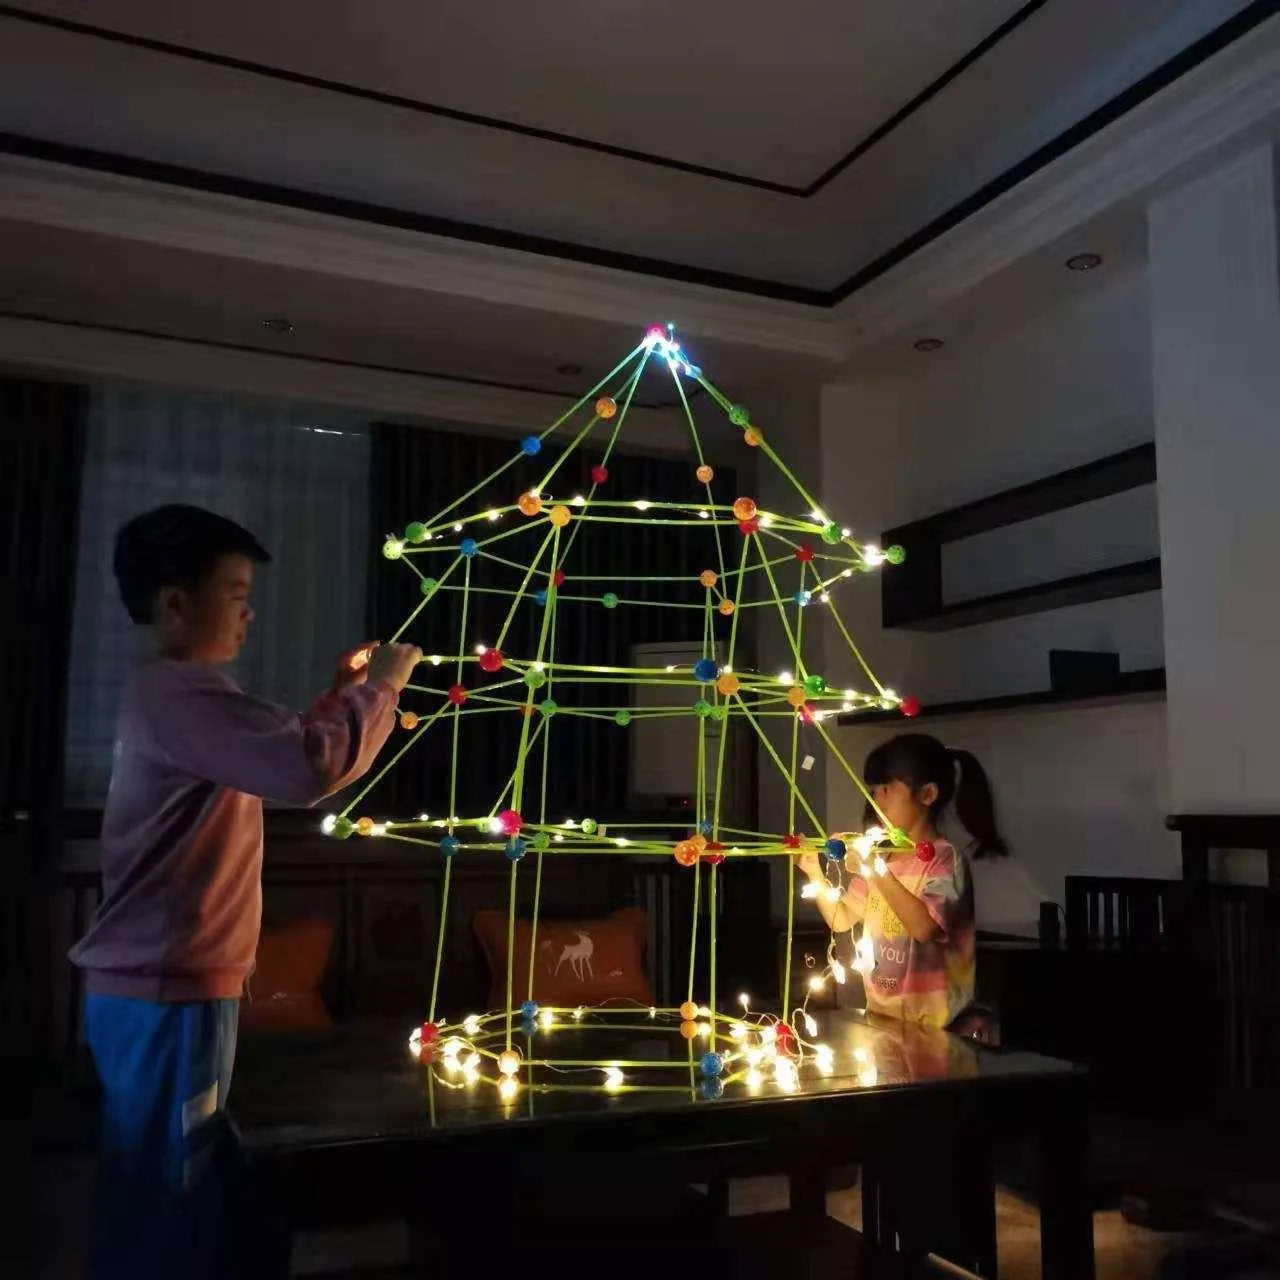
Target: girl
{"type": "Point", "coordinates": [918, 911]}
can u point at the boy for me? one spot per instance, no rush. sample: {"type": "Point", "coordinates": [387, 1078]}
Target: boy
{"type": "Point", "coordinates": [173, 942]}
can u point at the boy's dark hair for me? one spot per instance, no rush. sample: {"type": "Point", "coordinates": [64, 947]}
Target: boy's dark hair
{"type": "Point", "coordinates": [918, 759]}
{"type": "Point", "coordinates": [174, 546]}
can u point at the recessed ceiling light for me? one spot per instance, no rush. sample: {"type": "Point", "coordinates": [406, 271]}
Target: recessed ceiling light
{"type": "Point", "coordinates": [569, 370]}
{"type": "Point", "coordinates": [1084, 262]}
{"type": "Point", "coordinates": [927, 344]}
{"type": "Point", "coordinates": [277, 324]}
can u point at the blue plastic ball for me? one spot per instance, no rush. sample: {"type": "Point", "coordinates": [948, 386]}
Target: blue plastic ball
{"type": "Point", "coordinates": [712, 1065]}
{"type": "Point", "coordinates": [705, 826]}
{"type": "Point", "coordinates": [450, 845]}
{"type": "Point", "coordinates": [713, 1089]}
{"type": "Point", "coordinates": [529, 1009]}
{"type": "Point", "coordinates": [528, 1027]}
{"type": "Point", "coordinates": [469, 547]}
{"type": "Point", "coordinates": [803, 597]}
{"type": "Point", "coordinates": [515, 848]}
{"type": "Point", "coordinates": [705, 670]}
{"type": "Point", "coordinates": [834, 849]}
{"type": "Point", "coordinates": [531, 445]}
{"type": "Point", "coordinates": [540, 596]}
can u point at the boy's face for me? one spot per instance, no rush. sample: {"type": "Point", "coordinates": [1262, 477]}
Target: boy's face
{"type": "Point", "coordinates": [209, 623]}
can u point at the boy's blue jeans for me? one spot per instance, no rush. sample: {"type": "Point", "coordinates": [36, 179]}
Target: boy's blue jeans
{"type": "Point", "coordinates": [170, 1165]}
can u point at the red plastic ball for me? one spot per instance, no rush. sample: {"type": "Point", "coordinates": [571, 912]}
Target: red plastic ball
{"type": "Point", "coordinates": [785, 1040]}
{"type": "Point", "coordinates": [557, 578]}
{"type": "Point", "coordinates": [806, 713]}
{"type": "Point", "coordinates": [511, 822]}
{"type": "Point", "coordinates": [428, 1032]}
{"type": "Point", "coordinates": [749, 526]}
{"type": "Point", "coordinates": [804, 553]}
{"type": "Point", "coordinates": [528, 709]}
{"type": "Point", "coordinates": [457, 694]}
{"type": "Point", "coordinates": [713, 855]}
{"type": "Point", "coordinates": [599, 474]}
{"type": "Point", "coordinates": [925, 850]}
{"type": "Point", "coordinates": [491, 660]}
{"type": "Point", "coordinates": [910, 707]}
{"type": "Point", "coordinates": [791, 842]}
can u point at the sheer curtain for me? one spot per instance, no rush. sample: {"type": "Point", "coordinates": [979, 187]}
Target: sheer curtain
{"type": "Point", "coordinates": [297, 477]}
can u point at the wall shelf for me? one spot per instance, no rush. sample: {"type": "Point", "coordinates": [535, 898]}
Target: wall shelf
{"type": "Point", "coordinates": [912, 595]}
{"type": "Point", "coordinates": [1147, 681]}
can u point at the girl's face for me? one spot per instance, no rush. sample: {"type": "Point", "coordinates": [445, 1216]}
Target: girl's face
{"type": "Point", "coordinates": [903, 807]}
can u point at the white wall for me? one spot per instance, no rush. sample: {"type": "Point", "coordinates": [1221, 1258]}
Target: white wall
{"type": "Point", "coordinates": [1083, 789]}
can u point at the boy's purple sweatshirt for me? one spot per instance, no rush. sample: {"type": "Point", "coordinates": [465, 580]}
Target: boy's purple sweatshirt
{"type": "Point", "coordinates": [182, 829]}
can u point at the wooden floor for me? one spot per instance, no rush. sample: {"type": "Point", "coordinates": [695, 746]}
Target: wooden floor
{"type": "Point", "coordinates": [65, 1193]}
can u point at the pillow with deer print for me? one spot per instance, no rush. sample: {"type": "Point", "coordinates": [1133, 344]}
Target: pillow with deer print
{"type": "Point", "coordinates": [575, 961]}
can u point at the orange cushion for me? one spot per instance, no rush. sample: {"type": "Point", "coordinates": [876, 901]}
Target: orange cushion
{"type": "Point", "coordinates": [285, 986]}
{"type": "Point", "coordinates": [578, 961]}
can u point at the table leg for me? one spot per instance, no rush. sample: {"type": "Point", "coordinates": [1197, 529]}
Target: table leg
{"type": "Point", "coordinates": [1066, 1209]}
{"type": "Point", "coordinates": [808, 1191]}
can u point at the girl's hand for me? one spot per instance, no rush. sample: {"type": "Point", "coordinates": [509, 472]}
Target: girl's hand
{"type": "Point", "coordinates": [808, 864]}
{"type": "Point", "coordinates": [353, 666]}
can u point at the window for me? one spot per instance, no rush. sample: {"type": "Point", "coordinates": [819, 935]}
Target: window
{"type": "Point", "coordinates": [298, 478]}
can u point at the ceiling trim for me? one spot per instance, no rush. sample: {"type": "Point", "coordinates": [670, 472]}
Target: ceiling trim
{"type": "Point", "coordinates": [802, 191]}
{"type": "Point", "coordinates": [86, 351]}
{"type": "Point", "coordinates": [1214, 42]}
{"type": "Point", "coordinates": [214, 344]}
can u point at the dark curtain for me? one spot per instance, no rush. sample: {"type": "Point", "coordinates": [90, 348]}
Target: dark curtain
{"type": "Point", "coordinates": [416, 473]}
{"type": "Point", "coordinates": [42, 433]}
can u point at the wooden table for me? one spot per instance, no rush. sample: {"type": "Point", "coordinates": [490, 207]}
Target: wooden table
{"type": "Point", "coordinates": [348, 1124]}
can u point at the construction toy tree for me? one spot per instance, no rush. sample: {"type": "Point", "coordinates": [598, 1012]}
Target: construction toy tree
{"type": "Point", "coordinates": [524, 552]}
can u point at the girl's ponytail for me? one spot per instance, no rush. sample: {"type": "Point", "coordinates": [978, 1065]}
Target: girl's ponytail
{"type": "Point", "coordinates": [976, 808]}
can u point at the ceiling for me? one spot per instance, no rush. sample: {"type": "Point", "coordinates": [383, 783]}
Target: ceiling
{"type": "Point", "coordinates": [720, 142]}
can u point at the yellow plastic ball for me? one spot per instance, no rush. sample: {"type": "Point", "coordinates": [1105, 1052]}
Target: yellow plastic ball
{"type": "Point", "coordinates": [728, 684]}
{"type": "Point", "coordinates": [408, 719]}
{"type": "Point", "coordinates": [686, 855]}
{"type": "Point", "coordinates": [705, 474]}
{"type": "Point", "coordinates": [796, 695]}
{"type": "Point", "coordinates": [708, 578]}
{"type": "Point", "coordinates": [606, 407]}
{"type": "Point", "coordinates": [559, 516]}
{"type": "Point", "coordinates": [752, 436]}
{"type": "Point", "coordinates": [725, 608]}
{"type": "Point", "coordinates": [364, 826]}
{"type": "Point", "coordinates": [745, 509]}
{"type": "Point", "coordinates": [529, 503]}
{"type": "Point", "coordinates": [688, 1011]}
{"type": "Point", "coordinates": [689, 1028]}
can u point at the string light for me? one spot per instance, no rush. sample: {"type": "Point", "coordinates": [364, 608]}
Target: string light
{"type": "Point", "coordinates": [508, 1088]}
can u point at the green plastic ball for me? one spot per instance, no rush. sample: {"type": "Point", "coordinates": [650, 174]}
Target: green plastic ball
{"type": "Point", "coordinates": [702, 707]}
{"type": "Point", "coordinates": [814, 685]}
{"type": "Point", "coordinates": [622, 717]}
{"type": "Point", "coordinates": [590, 826]}
{"type": "Point", "coordinates": [342, 828]}
{"type": "Point", "coordinates": [720, 711]}
{"type": "Point", "coordinates": [415, 531]}
{"type": "Point", "coordinates": [740, 415]}
{"type": "Point", "coordinates": [831, 534]}
{"type": "Point", "coordinates": [548, 706]}
{"type": "Point", "coordinates": [895, 554]}
{"type": "Point", "coordinates": [428, 586]}
{"type": "Point", "coordinates": [609, 600]}
{"type": "Point", "coordinates": [542, 841]}
{"type": "Point", "coordinates": [393, 548]}
{"type": "Point", "coordinates": [535, 679]}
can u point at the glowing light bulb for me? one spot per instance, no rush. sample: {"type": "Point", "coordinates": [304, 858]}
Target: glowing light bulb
{"type": "Point", "coordinates": [451, 1048]}
{"type": "Point", "coordinates": [876, 833]}
{"type": "Point", "coordinates": [508, 1062]}
{"type": "Point", "coordinates": [817, 515]}
{"type": "Point", "coordinates": [642, 505]}
{"type": "Point", "coordinates": [862, 846]}
{"type": "Point", "coordinates": [784, 1072]}
{"type": "Point", "coordinates": [839, 973]}
{"type": "Point", "coordinates": [766, 520]}
{"type": "Point", "coordinates": [471, 1076]}
{"type": "Point", "coordinates": [613, 1079]}
{"type": "Point", "coordinates": [558, 838]}
{"type": "Point", "coordinates": [848, 573]}
{"type": "Point", "coordinates": [330, 821]}
{"type": "Point", "coordinates": [621, 842]}
{"type": "Point", "coordinates": [704, 1028]}
{"type": "Point", "coordinates": [671, 668]}
{"type": "Point", "coordinates": [744, 1000]}
{"type": "Point", "coordinates": [864, 955]}
{"type": "Point", "coordinates": [653, 1013]}
{"type": "Point", "coordinates": [495, 826]}
{"type": "Point", "coordinates": [868, 1076]}
{"type": "Point", "coordinates": [785, 677]}
{"type": "Point", "coordinates": [846, 706]}
{"type": "Point", "coordinates": [825, 597]}
{"type": "Point", "coordinates": [754, 1079]}
{"type": "Point", "coordinates": [480, 650]}
{"type": "Point", "coordinates": [578, 500]}
{"type": "Point", "coordinates": [491, 515]}
{"type": "Point", "coordinates": [768, 1034]}
{"type": "Point", "coordinates": [508, 1087]}
{"type": "Point", "coordinates": [704, 515]}
{"type": "Point", "coordinates": [870, 553]}
{"type": "Point", "coordinates": [436, 659]}
{"type": "Point", "coordinates": [738, 1031]}
{"type": "Point", "coordinates": [816, 983]}
{"type": "Point", "coordinates": [727, 669]}
{"type": "Point", "coordinates": [824, 1058]}
{"type": "Point", "coordinates": [809, 891]}
{"type": "Point", "coordinates": [471, 1024]}
{"type": "Point", "coordinates": [753, 1055]}
{"type": "Point", "coordinates": [859, 1055]}
{"type": "Point", "coordinates": [810, 1025]}
{"type": "Point", "coordinates": [881, 866]}
{"type": "Point", "coordinates": [577, 1013]}
{"type": "Point", "coordinates": [832, 893]}
{"type": "Point", "coordinates": [457, 528]}
{"type": "Point", "coordinates": [547, 1018]}
{"type": "Point", "coordinates": [469, 1061]}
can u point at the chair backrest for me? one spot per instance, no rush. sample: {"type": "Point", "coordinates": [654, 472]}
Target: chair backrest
{"type": "Point", "coordinates": [1129, 913]}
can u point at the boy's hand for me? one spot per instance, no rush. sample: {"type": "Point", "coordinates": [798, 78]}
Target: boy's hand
{"type": "Point", "coordinates": [393, 664]}
{"type": "Point", "coordinates": [353, 666]}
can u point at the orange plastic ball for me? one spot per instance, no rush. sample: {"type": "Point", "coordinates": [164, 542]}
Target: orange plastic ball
{"type": "Point", "coordinates": [689, 1028]}
{"type": "Point", "coordinates": [529, 503]}
{"type": "Point", "coordinates": [752, 436]}
{"type": "Point", "coordinates": [364, 826]}
{"type": "Point", "coordinates": [705, 474]}
{"type": "Point", "coordinates": [686, 854]}
{"type": "Point", "coordinates": [559, 516]}
{"type": "Point", "coordinates": [796, 695]}
{"type": "Point", "coordinates": [708, 578]}
{"type": "Point", "coordinates": [725, 608]}
{"type": "Point", "coordinates": [408, 719]}
{"type": "Point", "coordinates": [744, 509]}
{"type": "Point", "coordinates": [728, 684]}
{"type": "Point", "coordinates": [606, 407]}
{"type": "Point", "coordinates": [688, 1011]}
{"type": "Point", "coordinates": [699, 843]}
